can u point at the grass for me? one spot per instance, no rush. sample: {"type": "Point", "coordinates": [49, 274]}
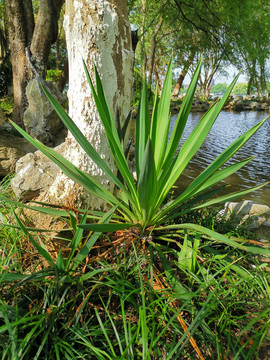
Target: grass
{"type": "Point", "coordinates": [211, 303]}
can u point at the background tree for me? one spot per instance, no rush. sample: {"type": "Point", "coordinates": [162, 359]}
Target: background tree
{"type": "Point", "coordinates": [30, 43]}
{"type": "Point", "coordinates": [252, 48]}
{"type": "Point", "coordinates": [223, 31]}
{"type": "Point", "coordinates": [5, 67]}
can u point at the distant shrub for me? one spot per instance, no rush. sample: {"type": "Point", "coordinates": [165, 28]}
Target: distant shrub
{"type": "Point", "coordinates": [240, 89]}
{"type": "Point", "coordinates": [6, 104]}
{"type": "Point", "coordinates": [53, 75]}
{"type": "Point", "coordinates": [219, 88]}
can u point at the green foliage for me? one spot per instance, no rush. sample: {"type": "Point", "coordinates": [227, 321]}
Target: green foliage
{"type": "Point", "coordinates": [159, 162]}
{"type": "Point", "coordinates": [240, 89]}
{"type": "Point", "coordinates": [53, 75]}
{"type": "Point", "coordinates": [131, 305]}
{"type": "Point", "coordinates": [219, 88]}
{"type": "Point", "coordinates": [7, 104]}
{"type": "Point", "coordinates": [108, 310]}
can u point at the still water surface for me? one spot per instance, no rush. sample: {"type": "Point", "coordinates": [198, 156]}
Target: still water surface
{"type": "Point", "coordinates": [227, 128]}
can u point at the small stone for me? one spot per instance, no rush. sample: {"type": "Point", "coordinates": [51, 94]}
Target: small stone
{"type": "Point", "coordinates": [35, 173]}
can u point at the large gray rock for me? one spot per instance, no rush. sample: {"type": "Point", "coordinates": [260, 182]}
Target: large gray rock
{"type": "Point", "coordinates": [254, 105]}
{"type": "Point", "coordinates": [40, 119]}
{"type": "Point", "coordinates": [238, 98]}
{"type": "Point", "coordinates": [237, 105]}
{"type": "Point", "coordinates": [12, 148]}
{"type": "Point", "coordinates": [34, 174]}
{"type": "Point", "coordinates": [264, 106]}
{"type": "Point", "coordinates": [249, 213]}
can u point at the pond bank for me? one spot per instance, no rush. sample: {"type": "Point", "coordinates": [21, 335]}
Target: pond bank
{"type": "Point", "coordinates": [238, 103]}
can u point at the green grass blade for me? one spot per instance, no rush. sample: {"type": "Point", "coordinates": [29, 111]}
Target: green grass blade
{"type": "Point", "coordinates": [10, 277]}
{"type": "Point", "coordinates": [70, 170]}
{"type": "Point", "coordinates": [214, 236]}
{"type": "Point", "coordinates": [93, 273]}
{"type": "Point", "coordinates": [142, 128]}
{"type": "Point", "coordinates": [178, 289]}
{"type": "Point", "coordinates": [81, 139]}
{"type": "Point", "coordinates": [113, 139]}
{"type": "Point", "coordinates": [105, 334]}
{"type": "Point", "coordinates": [12, 336]}
{"type": "Point", "coordinates": [76, 240]}
{"type": "Point", "coordinates": [49, 211]}
{"type": "Point", "coordinates": [90, 243]}
{"type": "Point", "coordinates": [153, 127]}
{"type": "Point", "coordinates": [191, 145]}
{"type": "Point", "coordinates": [230, 197]}
{"type": "Point", "coordinates": [147, 184]}
{"type": "Point", "coordinates": [182, 117]}
{"type": "Point", "coordinates": [60, 262]}
{"type": "Point", "coordinates": [201, 183]}
{"type": "Point", "coordinates": [44, 253]}
{"type": "Point", "coordinates": [186, 207]}
{"type": "Point", "coordinates": [103, 100]}
{"type": "Point", "coordinates": [160, 136]}
{"type": "Point", "coordinates": [106, 227]}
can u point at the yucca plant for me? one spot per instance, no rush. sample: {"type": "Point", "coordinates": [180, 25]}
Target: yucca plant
{"type": "Point", "coordinates": [141, 202]}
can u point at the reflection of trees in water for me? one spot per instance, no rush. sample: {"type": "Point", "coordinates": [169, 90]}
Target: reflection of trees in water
{"type": "Point", "coordinates": [227, 128]}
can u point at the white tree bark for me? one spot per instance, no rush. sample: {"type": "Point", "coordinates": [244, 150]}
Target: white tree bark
{"type": "Point", "coordinates": [97, 31]}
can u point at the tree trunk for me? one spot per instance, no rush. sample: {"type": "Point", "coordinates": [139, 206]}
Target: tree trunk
{"type": "Point", "coordinates": [96, 32]}
{"type": "Point", "coordinates": [23, 34]}
{"type": "Point", "coordinates": [45, 33]}
{"type": "Point", "coordinates": [153, 50]}
{"type": "Point", "coordinates": [20, 34]}
{"type": "Point", "coordinates": [157, 78]}
{"type": "Point", "coordinates": [143, 30]}
{"type": "Point", "coordinates": [63, 78]}
{"type": "Point", "coordinates": [181, 77]}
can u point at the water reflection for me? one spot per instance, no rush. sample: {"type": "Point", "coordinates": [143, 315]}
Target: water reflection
{"type": "Point", "coordinates": [227, 128]}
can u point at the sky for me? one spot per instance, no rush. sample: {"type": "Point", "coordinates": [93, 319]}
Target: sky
{"type": "Point", "coordinates": [232, 72]}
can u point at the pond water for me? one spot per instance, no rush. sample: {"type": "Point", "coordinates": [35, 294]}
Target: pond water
{"type": "Point", "coordinates": [227, 128]}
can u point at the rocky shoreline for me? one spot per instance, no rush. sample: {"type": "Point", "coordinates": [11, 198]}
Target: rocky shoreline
{"type": "Point", "coordinates": [237, 103]}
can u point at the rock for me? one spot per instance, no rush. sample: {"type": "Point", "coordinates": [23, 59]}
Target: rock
{"type": "Point", "coordinates": [246, 106]}
{"type": "Point", "coordinates": [12, 148]}
{"type": "Point", "coordinates": [199, 105]}
{"type": "Point", "coordinates": [254, 105]}
{"type": "Point", "coordinates": [247, 212]}
{"type": "Point", "coordinates": [34, 174]}
{"type": "Point", "coordinates": [40, 119]}
{"type": "Point", "coordinates": [264, 106]}
{"type": "Point", "coordinates": [237, 105]}
{"type": "Point", "coordinates": [238, 98]}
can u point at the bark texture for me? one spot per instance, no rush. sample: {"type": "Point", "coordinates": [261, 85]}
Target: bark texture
{"type": "Point", "coordinates": [98, 32]}
{"type": "Point", "coordinates": [25, 33]}
{"type": "Point", "coordinates": [20, 28]}
{"type": "Point", "coordinates": [184, 71]}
